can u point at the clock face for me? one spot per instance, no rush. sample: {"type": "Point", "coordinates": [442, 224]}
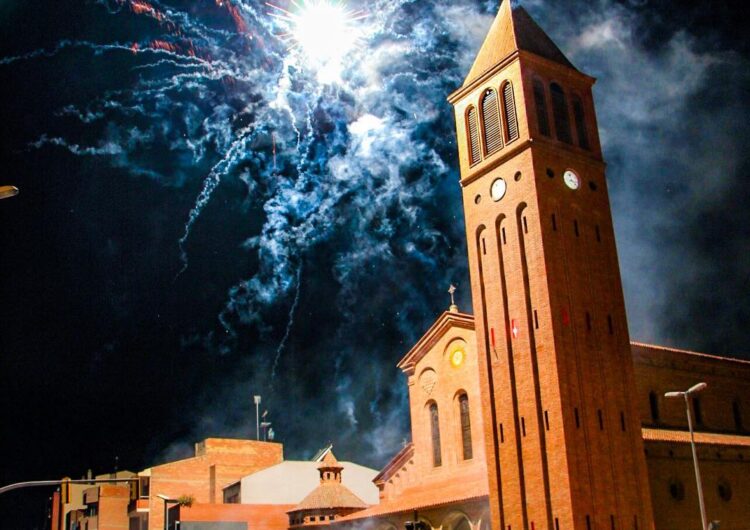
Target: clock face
{"type": "Point", "coordinates": [457, 357]}
{"type": "Point", "coordinates": [571, 180]}
{"type": "Point", "coordinates": [498, 189]}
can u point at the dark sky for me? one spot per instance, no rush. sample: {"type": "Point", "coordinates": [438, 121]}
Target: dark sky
{"type": "Point", "coordinates": [204, 216]}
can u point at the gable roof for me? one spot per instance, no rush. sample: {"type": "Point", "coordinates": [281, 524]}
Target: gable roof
{"type": "Point", "coordinates": [396, 463]}
{"type": "Point", "coordinates": [445, 322]}
{"type": "Point", "coordinates": [512, 30]}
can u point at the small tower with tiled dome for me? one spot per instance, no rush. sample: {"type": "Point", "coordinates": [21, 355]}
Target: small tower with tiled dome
{"type": "Point", "coordinates": [329, 501]}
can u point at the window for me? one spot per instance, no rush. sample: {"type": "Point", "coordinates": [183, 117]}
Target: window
{"type": "Point", "coordinates": [509, 113]}
{"type": "Point", "coordinates": [493, 142]}
{"type": "Point", "coordinates": [653, 402]}
{"type": "Point", "coordinates": [473, 137]}
{"type": "Point", "coordinates": [435, 427]}
{"type": "Point", "coordinates": [698, 410]}
{"type": "Point", "coordinates": [463, 402]}
{"type": "Point", "coordinates": [737, 414]}
{"type": "Point", "coordinates": [540, 100]}
{"type": "Point", "coordinates": [583, 138]}
{"type": "Point", "coordinates": [724, 489]}
{"type": "Point", "coordinates": [560, 114]}
{"type": "Point", "coordinates": [144, 489]}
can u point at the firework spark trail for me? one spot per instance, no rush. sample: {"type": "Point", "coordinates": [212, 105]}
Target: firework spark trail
{"type": "Point", "coordinates": [290, 323]}
{"type": "Point", "coordinates": [97, 48]}
{"type": "Point", "coordinates": [213, 179]}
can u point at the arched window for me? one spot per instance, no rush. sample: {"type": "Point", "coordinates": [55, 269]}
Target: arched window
{"type": "Point", "coordinates": [509, 113]}
{"type": "Point", "coordinates": [540, 100]}
{"type": "Point", "coordinates": [493, 141]}
{"type": "Point", "coordinates": [560, 113]}
{"type": "Point", "coordinates": [473, 137]}
{"type": "Point", "coordinates": [463, 404]}
{"type": "Point", "coordinates": [654, 404]}
{"type": "Point", "coordinates": [435, 429]}
{"type": "Point", "coordinates": [580, 117]}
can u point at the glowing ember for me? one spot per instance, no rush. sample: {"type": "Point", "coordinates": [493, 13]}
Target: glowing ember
{"type": "Point", "coordinates": [323, 30]}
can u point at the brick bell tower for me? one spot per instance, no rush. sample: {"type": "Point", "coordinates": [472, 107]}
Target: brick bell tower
{"type": "Point", "coordinates": [563, 436]}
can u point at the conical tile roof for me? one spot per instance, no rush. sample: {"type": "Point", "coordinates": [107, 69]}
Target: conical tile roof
{"type": "Point", "coordinates": [513, 30]}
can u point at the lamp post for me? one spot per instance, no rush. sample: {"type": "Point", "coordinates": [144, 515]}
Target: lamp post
{"type": "Point", "coordinates": [256, 399]}
{"type": "Point", "coordinates": [8, 191]}
{"type": "Point", "coordinates": [167, 501]}
{"type": "Point", "coordinates": [686, 396]}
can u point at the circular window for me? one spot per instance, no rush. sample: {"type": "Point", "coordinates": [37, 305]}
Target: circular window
{"type": "Point", "coordinates": [677, 489]}
{"type": "Point", "coordinates": [724, 490]}
{"type": "Point", "coordinates": [477, 199]}
{"type": "Point", "coordinates": [518, 176]}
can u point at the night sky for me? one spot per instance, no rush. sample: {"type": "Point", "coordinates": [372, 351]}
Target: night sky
{"type": "Point", "coordinates": [206, 213]}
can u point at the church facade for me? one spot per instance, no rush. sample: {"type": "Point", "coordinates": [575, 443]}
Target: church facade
{"type": "Point", "coordinates": [538, 412]}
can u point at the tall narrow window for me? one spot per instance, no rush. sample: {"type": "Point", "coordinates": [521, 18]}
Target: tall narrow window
{"type": "Point", "coordinates": [580, 117]}
{"type": "Point", "coordinates": [463, 402]}
{"type": "Point", "coordinates": [560, 114]}
{"type": "Point", "coordinates": [737, 414]}
{"type": "Point", "coordinates": [509, 113]}
{"type": "Point", "coordinates": [698, 410]}
{"type": "Point", "coordinates": [493, 141]}
{"type": "Point", "coordinates": [435, 427]}
{"type": "Point", "coordinates": [540, 100]}
{"type": "Point", "coordinates": [654, 404]}
{"type": "Point", "coordinates": [473, 127]}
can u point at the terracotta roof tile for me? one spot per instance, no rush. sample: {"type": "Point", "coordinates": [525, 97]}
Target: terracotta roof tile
{"type": "Point", "coordinates": [427, 495]}
{"type": "Point", "coordinates": [705, 438]}
{"type": "Point", "coordinates": [330, 495]}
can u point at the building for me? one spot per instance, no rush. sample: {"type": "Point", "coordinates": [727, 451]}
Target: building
{"type": "Point", "coordinates": [201, 478]}
{"type": "Point", "coordinates": [538, 412]}
{"type": "Point", "coordinates": [94, 506]}
{"type": "Point", "coordinates": [290, 494]}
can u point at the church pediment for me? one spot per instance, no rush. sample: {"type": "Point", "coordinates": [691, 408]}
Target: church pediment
{"type": "Point", "coordinates": [447, 321]}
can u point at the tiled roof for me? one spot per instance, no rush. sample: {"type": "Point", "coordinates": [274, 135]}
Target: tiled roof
{"type": "Point", "coordinates": [532, 38]}
{"type": "Point", "coordinates": [396, 463]}
{"type": "Point", "coordinates": [329, 495]}
{"type": "Point", "coordinates": [705, 438]}
{"type": "Point", "coordinates": [428, 495]}
{"type": "Point", "coordinates": [706, 356]}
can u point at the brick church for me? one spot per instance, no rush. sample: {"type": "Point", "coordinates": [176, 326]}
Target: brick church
{"type": "Point", "coordinates": [537, 412]}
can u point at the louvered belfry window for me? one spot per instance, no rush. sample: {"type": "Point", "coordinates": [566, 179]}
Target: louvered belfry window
{"type": "Point", "coordinates": [435, 428]}
{"type": "Point", "coordinates": [509, 113]}
{"type": "Point", "coordinates": [583, 137]}
{"type": "Point", "coordinates": [560, 113]}
{"type": "Point", "coordinates": [540, 100]}
{"type": "Point", "coordinates": [463, 402]}
{"type": "Point", "coordinates": [474, 149]}
{"type": "Point", "coordinates": [493, 140]}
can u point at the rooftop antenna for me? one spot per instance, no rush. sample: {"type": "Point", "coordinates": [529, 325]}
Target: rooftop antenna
{"type": "Point", "coordinates": [256, 400]}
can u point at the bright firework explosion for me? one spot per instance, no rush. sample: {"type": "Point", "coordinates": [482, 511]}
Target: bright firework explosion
{"type": "Point", "coordinates": [323, 31]}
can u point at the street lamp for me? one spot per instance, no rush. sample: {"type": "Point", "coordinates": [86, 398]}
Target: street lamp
{"type": "Point", "coordinates": [256, 399]}
{"type": "Point", "coordinates": [686, 396]}
{"type": "Point", "coordinates": [167, 501]}
{"type": "Point", "coordinates": [8, 191]}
